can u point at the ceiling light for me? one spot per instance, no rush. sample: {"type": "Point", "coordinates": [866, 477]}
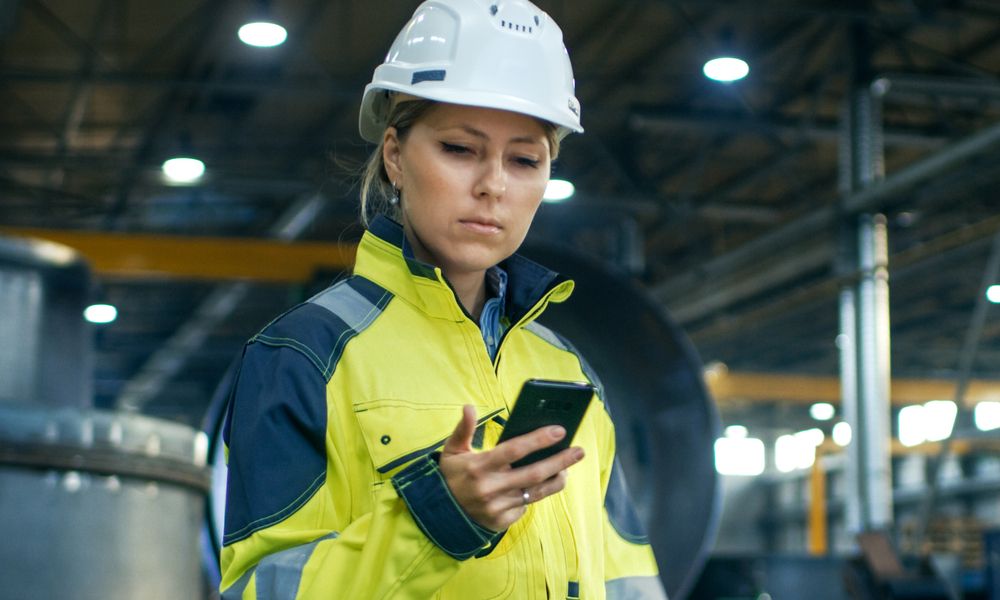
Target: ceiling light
{"type": "Point", "coordinates": [736, 431]}
{"type": "Point", "coordinates": [558, 190]}
{"type": "Point", "coordinates": [993, 294]}
{"type": "Point", "coordinates": [100, 313]}
{"type": "Point", "coordinates": [262, 34]}
{"type": "Point", "coordinates": [842, 434]}
{"type": "Point", "coordinates": [987, 416]}
{"type": "Point", "coordinates": [726, 69]}
{"type": "Point", "coordinates": [821, 411]}
{"type": "Point", "coordinates": [739, 456]}
{"type": "Point", "coordinates": [183, 170]}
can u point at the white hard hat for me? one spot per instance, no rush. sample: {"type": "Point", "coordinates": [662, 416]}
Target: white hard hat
{"type": "Point", "coordinates": [504, 54]}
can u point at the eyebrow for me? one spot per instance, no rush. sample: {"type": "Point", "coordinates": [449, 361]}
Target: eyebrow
{"type": "Point", "coordinates": [524, 139]}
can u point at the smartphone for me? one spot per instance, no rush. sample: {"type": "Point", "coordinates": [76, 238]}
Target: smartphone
{"type": "Point", "coordinates": [544, 402]}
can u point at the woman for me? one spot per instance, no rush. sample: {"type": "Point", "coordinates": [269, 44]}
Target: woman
{"type": "Point", "coordinates": [348, 477]}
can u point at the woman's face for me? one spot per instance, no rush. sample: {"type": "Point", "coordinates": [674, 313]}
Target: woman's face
{"type": "Point", "coordinates": [470, 180]}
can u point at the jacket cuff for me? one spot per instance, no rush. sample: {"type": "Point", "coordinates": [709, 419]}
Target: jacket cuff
{"type": "Point", "coordinates": [425, 492]}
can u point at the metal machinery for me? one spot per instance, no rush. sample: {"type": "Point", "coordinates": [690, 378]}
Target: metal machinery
{"type": "Point", "coordinates": [93, 504]}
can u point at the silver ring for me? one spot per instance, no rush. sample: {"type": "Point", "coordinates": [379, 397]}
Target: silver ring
{"type": "Point", "coordinates": [525, 496]}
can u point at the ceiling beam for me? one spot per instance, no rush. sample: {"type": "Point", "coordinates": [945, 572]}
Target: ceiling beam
{"type": "Point", "coordinates": [731, 389]}
{"type": "Point", "coordinates": [817, 130]}
{"type": "Point", "coordinates": [147, 256]}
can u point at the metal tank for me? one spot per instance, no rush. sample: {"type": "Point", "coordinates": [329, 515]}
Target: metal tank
{"type": "Point", "coordinates": [665, 420]}
{"type": "Point", "coordinates": [46, 356]}
{"type": "Point", "coordinates": [94, 504]}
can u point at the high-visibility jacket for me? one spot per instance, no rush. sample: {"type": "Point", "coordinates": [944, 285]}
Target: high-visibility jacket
{"type": "Point", "coordinates": [340, 404]}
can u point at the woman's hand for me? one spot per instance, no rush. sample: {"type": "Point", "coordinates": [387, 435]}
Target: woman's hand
{"type": "Point", "coordinates": [484, 484]}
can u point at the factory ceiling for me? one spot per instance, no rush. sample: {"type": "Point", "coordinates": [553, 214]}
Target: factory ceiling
{"type": "Point", "coordinates": [725, 201]}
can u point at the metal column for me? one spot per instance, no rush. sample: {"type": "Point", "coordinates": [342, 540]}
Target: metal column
{"type": "Point", "coordinates": [864, 310]}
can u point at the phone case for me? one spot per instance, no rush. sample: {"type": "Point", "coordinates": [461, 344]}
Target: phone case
{"type": "Point", "coordinates": [544, 402]}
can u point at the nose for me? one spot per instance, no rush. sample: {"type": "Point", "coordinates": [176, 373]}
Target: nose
{"type": "Point", "coordinates": [492, 182]}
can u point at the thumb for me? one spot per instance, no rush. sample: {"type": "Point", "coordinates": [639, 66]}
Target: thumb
{"type": "Point", "coordinates": [460, 440]}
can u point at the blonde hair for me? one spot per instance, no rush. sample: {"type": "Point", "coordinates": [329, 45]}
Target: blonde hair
{"type": "Point", "coordinates": [376, 189]}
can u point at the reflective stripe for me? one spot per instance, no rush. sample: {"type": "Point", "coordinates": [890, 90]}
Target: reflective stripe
{"type": "Point", "coordinates": [279, 575]}
{"type": "Point", "coordinates": [563, 344]}
{"type": "Point", "coordinates": [635, 588]}
{"type": "Point", "coordinates": [345, 302]}
{"type": "Point", "coordinates": [235, 591]}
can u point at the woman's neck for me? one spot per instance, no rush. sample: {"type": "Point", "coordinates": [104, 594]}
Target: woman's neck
{"type": "Point", "coordinates": [469, 286]}
{"type": "Point", "coordinates": [471, 291]}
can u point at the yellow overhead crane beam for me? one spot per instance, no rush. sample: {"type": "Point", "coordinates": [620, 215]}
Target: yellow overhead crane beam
{"type": "Point", "coordinates": [145, 256]}
{"type": "Point", "coordinates": [732, 389]}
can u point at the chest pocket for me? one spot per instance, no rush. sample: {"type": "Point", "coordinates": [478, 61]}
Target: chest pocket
{"type": "Point", "coordinates": [396, 431]}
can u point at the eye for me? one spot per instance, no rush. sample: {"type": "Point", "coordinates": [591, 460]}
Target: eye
{"type": "Point", "coordinates": [454, 148]}
{"type": "Point", "coordinates": [524, 161]}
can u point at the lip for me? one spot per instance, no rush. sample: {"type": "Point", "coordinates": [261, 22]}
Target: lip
{"type": "Point", "coordinates": [484, 226]}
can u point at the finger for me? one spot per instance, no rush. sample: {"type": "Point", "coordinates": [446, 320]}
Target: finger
{"type": "Point", "coordinates": [552, 485]}
{"type": "Point", "coordinates": [460, 440]}
{"type": "Point", "coordinates": [536, 473]}
{"type": "Point", "coordinates": [530, 495]}
{"type": "Point", "coordinates": [523, 445]}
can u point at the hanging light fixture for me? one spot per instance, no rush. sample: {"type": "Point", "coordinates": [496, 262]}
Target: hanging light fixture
{"type": "Point", "coordinates": [261, 31]}
{"type": "Point", "coordinates": [558, 190]}
{"type": "Point", "coordinates": [726, 69]}
{"type": "Point", "coordinates": [183, 170]}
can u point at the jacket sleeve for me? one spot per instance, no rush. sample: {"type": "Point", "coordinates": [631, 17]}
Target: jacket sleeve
{"type": "Point", "coordinates": [630, 570]}
{"type": "Point", "coordinates": [290, 531]}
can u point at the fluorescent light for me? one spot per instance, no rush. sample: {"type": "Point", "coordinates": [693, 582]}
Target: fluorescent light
{"type": "Point", "coordinates": [183, 170]}
{"type": "Point", "coordinates": [797, 450]}
{"type": "Point", "coordinates": [726, 69]}
{"type": "Point", "coordinates": [940, 418]}
{"type": "Point", "coordinates": [263, 34]}
{"type": "Point", "coordinates": [558, 190]}
{"type": "Point", "coordinates": [100, 313]}
{"type": "Point", "coordinates": [911, 425]}
{"type": "Point", "coordinates": [736, 431]}
{"type": "Point", "coordinates": [930, 422]}
{"type": "Point", "coordinates": [822, 411]}
{"type": "Point", "coordinates": [993, 294]}
{"type": "Point", "coordinates": [842, 434]}
{"type": "Point", "coordinates": [987, 415]}
{"type": "Point", "coordinates": [739, 456]}
{"type": "Point", "coordinates": [786, 453]}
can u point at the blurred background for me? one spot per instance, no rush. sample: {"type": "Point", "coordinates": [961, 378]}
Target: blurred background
{"type": "Point", "coordinates": [793, 252]}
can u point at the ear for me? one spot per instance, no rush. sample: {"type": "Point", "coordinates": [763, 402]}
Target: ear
{"type": "Point", "coordinates": [391, 155]}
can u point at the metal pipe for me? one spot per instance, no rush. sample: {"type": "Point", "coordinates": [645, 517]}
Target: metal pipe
{"type": "Point", "coordinates": [873, 370]}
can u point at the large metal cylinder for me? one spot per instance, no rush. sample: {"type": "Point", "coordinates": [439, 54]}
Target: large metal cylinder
{"type": "Point", "coordinates": [96, 505]}
{"type": "Point", "coordinates": [47, 349]}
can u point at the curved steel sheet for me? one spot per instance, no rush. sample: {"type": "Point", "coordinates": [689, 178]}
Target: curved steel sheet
{"type": "Point", "coordinates": [665, 420]}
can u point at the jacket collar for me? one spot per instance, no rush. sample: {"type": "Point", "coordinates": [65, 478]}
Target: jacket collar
{"type": "Point", "coordinates": [385, 257]}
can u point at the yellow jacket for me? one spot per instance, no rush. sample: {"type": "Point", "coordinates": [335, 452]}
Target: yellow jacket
{"type": "Point", "coordinates": [340, 403]}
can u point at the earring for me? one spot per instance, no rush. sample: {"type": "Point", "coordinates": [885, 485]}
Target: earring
{"type": "Point", "coordinates": [394, 199]}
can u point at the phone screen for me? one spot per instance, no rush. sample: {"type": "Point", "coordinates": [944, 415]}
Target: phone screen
{"type": "Point", "coordinates": [546, 402]}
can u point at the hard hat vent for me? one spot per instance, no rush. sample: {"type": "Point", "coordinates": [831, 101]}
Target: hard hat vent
{"type": "Point", "coordinates": [515, 17]}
